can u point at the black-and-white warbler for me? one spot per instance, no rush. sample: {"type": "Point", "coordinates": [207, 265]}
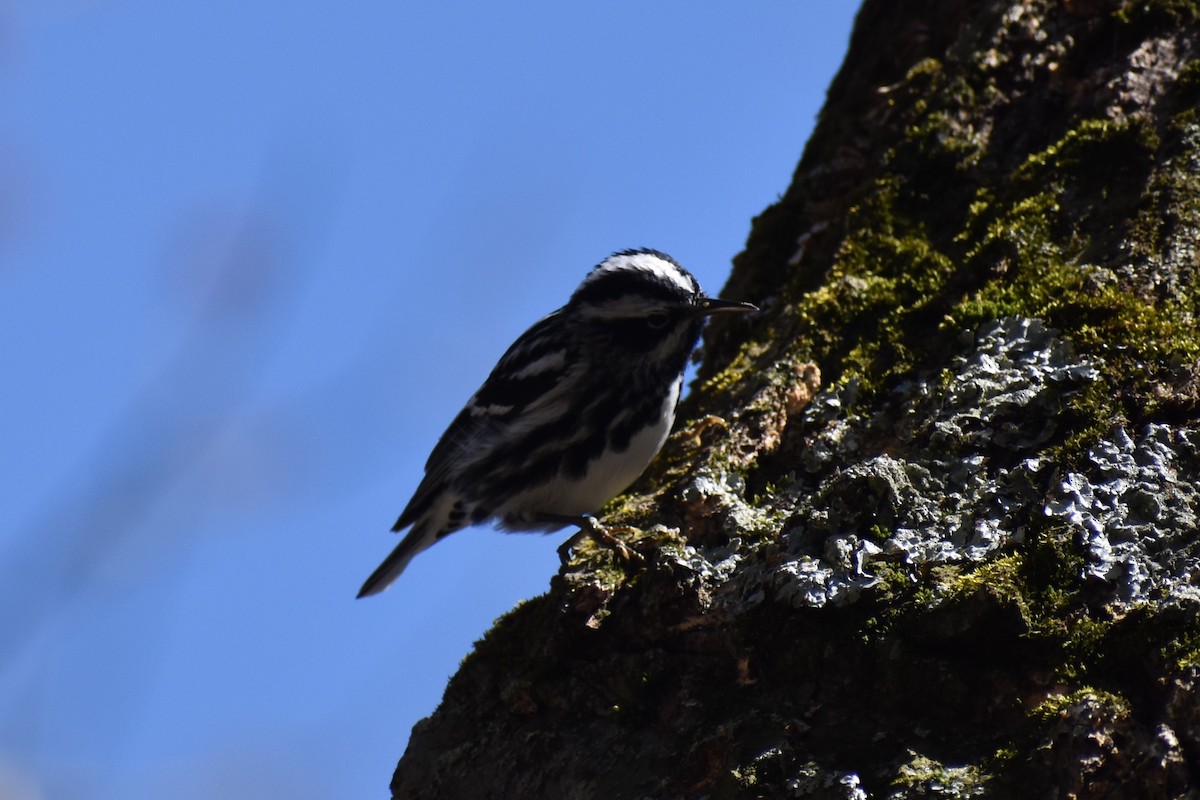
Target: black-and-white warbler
{"type": "Point", "coordinates": [571, 415]}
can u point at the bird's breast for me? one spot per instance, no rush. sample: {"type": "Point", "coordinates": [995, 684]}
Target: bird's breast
{"type": "Point", "coordinates": [610, 473]}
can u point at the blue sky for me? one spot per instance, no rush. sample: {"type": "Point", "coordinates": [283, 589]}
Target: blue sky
{"type": "Point", "coordinates": [254, 256]}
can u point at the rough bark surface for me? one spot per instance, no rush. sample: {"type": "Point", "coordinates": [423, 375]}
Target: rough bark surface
{"type": "Point", "coordinates": [929, 527]}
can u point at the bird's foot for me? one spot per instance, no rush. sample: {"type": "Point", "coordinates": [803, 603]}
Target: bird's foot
{"type": "Point", "coordinates": [589, 526]}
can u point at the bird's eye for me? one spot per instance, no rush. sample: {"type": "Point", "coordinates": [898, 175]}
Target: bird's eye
{"type": "Point", "coordinates": [657, 320]}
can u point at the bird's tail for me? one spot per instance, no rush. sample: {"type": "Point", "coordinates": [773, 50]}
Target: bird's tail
{"type": "Point", "coordinates": [421, 536]}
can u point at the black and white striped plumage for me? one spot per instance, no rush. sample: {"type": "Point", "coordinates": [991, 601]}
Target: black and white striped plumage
{"type": "Point", "coordinates": [571, 415]}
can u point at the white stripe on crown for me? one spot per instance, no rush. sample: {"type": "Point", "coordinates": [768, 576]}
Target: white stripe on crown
{"type": "Point", "coordinates": [648, 262]}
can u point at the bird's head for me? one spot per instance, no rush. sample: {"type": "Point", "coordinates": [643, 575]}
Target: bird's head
{"type": "Point", "coordinates": [643, 301]}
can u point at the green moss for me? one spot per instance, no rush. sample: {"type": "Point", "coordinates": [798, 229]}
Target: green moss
{"type": "Point", "coordinates": [1049, 710]}
{"type": "Point", "coordinates": [1117, 145]}
{"type": "Point", "coordinates": [1002, 576]}
{"type": "Point", "coordinates": [884, 273]}
{"type": "Point", "coordinates": [926, 68]}
{"type": "Point", "coordinates": [1172, 12]}
{"type": "Point", "coordinates": [931, 778]}
{"type": "Point", "coordinates": [997, 588]}
{"type": "Point", "coordinates": [1084, 637]}
{"type": "Point", "coordinates": [1184, 652]}
{"type": "Point", "coordinates": [937, 143]}
{"type": "Point", "coordinates": [1051, 572]}
{"type": "Point", "coordinates": [1091, 414]}
{"type": "Point", "coordinates": [743, 363]}
{"type": "Point", "coordinates": [1112, 648]}
{"type": "Point", "coordinates": [1034, 594]}
{"type": "Point", "coordinates": [1170, 207]}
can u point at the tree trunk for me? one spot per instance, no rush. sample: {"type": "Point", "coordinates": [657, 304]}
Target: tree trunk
{"type": "Point", "coordinates": [967, 565]}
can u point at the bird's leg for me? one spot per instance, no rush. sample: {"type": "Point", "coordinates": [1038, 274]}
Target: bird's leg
{"type": "Point", "coordinates": [590, 526]}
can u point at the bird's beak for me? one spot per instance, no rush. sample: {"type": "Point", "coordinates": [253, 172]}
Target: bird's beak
{"type": "Point", "coordinates": [715, 305]}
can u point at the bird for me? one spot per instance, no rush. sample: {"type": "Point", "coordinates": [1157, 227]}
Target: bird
{"type": "Point", "coordinates": [572, 413]}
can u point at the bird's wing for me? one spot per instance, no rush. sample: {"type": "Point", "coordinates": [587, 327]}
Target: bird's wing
{"type": "Point", "coordinates": [531, 367]}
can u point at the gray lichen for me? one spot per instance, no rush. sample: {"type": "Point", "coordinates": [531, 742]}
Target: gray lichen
{"type": "Point", "coordinates": [720, 495]}
{"type": "Point", "coordinates": [1013, 377]}
{"type": "Point", "coordinates": [1006, 392]}
{"type": "Point", "coordinates": [1135, 514]}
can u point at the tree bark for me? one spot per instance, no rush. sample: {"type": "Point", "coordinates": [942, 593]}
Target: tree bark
{"type": "Point", "coordinates": [928, 527]}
